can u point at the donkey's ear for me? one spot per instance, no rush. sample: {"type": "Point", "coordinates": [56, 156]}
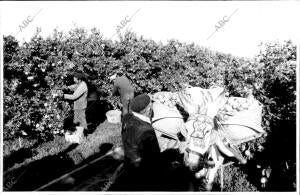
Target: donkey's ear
{"type": "Point", "coordinates": [217, 103]}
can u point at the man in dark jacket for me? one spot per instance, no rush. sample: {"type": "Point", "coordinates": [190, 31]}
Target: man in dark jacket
{"type": "Point", "coordinates": [124, 88]}
{"type": "Point", "coordinates": [142, 152]}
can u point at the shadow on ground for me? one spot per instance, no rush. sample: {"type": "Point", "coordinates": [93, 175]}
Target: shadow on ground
{"type": "Point", "coordinates": [18, 156]}
{"type": "Point", "coordinates": [176, 177]}
{"type": "Point", "coordinates": [41, 172]}
{"type": "Point", "coordinates": [35, 174]}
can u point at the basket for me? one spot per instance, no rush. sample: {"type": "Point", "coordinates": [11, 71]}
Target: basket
{"type": "Point", "coordinates": [114, 116]}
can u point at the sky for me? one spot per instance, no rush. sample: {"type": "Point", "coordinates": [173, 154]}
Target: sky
{"type": "Point", "coordinates": [235, 27]}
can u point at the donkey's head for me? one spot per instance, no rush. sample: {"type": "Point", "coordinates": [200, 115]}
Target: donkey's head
{"type": "Point", "coordinates": [199, 141]}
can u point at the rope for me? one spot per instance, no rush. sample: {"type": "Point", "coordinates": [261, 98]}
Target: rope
{"type": "Point", "coordinates": [166, 118]}
{"type": "Point", "coordinates": [241, 125]}
{"type": "Point", "coordinates": [167, 134]}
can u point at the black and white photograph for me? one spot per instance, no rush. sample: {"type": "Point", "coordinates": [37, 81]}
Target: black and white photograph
{"type": "Point", "coordinates": [149, 96]}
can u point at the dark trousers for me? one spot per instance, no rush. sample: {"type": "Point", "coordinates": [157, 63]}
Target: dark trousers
{"type": "Point", "coordinates": [125, 100]}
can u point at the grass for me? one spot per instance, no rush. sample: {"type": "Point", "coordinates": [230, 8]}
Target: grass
{"type": "Point", "coordinates": [106, 133]}
{"type": "Point", "coordinates": [11, 146]}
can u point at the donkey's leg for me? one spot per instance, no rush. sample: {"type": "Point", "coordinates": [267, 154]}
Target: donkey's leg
{"type": "Point", "coordinates": [218, 159]}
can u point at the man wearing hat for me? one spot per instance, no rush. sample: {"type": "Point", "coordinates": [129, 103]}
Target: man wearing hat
{"type": "Point", "coordinates": [142, 152]}
{"type": "Point", "coordinates": [124, 88]}
{"type": "Point", "coordinates": [79, 97]}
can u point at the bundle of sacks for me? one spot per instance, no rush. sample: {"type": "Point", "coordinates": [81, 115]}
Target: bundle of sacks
{"type": "Point", "coordinates": [166, 98]}
{"type": "Point", "coordinates": [239, 119]}
{"type": "Point", "coordinates": [167, 120]}
{"type": "Point", "coordinates": [233, 106]}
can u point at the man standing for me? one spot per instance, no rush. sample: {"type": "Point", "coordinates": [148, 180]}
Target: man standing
{"type": "Point", "coordinates": [79, 97]}
{"type": "Point", "coordinates": [124, 88]}
{"type": "Point", "coordinates": [142, 152]}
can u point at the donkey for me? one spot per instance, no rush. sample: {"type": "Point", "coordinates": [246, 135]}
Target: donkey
{"type": "Point", "coordinates": [208, 140]}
